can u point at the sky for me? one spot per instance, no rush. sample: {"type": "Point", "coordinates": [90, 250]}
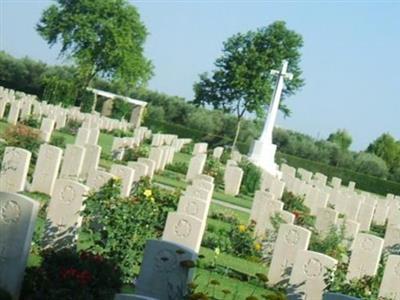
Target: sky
{"type": "Point", "coordinates": [350, 58]}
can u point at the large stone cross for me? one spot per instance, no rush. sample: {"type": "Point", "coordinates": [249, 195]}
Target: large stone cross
{"type": "Point", "coordinates": [274, 106]}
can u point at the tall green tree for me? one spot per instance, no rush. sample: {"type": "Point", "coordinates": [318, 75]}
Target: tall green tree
{"type": "Point", "coordinates": [241, 81]}
{"type": "Point", "coordinates": [103, 38]}
{"type": "Point", "coordinates": [342, 138]}
{"type": "Point", "coordinates": [387, 148]}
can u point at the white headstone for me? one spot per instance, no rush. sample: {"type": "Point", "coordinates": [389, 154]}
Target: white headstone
{"type": "Point", "coordinates": [97, 179]}
{"type": "Point", "coordinates": [196, 166]}
{"type": "Point", "coordinates": [390, 287]}
{"type": "Point", "coordinates": [46, 169]}
{"type": "Point", "coordinates": [126, 175]}
{"type": "Point", "coordinates": [14, 169]}
{"type": "Point", "coordinates": [73, 161]}
{"type": "Point", "coordinates": [183, 229]}
{"type": "Point", "coordinates": [91, 160]}
{"type": "Point", "coordinates": [17, 224]}
{"type": "Point", "coordinates": [63, 214]}
{"type": "Point", "coordinates": [291, 239]}
{"type": "Point", "coordinates": [364, 259]}
{"type": "Point", "coordinates": [232, 180]}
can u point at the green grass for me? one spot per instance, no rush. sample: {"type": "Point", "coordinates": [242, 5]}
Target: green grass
{"type": "Point", "coordinates": [182, 157]}
{"type": "Point", "coordinates": [238, 289]}
{"type": "Point", "coordinates": [243, 217]}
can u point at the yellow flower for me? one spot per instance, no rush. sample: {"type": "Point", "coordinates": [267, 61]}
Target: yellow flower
{"type": "Point", "coordinates": [257, 246]}
{"type": "Point", "coordinates": [242, 228]}
{"type": "Point", "coordinates": [147, 193]}
{"type": "Point", "coordinates": [152, 199]}
{"type": "Point", "coordinates": [217, 251]}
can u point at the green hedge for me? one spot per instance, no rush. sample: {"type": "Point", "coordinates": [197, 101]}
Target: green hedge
{"type": "Point", "coordinates": [363, 182]}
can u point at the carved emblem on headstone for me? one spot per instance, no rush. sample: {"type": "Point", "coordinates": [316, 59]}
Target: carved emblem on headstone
{"type": "Point", "coordinates": [292, 237]}
{"type": "Point", "coordinates": [183, 228]}
{"type": "Point", "coordinates": [10, 212]}
{"type": "Point", "coordinates": [313, 268]}
{"type": "Point", "coordinates": [367, 244]}
{"type": "Point", "coordinates": [68, 194]}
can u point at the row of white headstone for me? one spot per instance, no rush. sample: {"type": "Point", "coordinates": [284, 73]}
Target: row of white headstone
{"type": "Point", "coordinates": [305, 270]}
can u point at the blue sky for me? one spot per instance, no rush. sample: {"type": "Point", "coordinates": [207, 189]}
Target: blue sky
{"type": "Point", "coordinates": [350, 55]}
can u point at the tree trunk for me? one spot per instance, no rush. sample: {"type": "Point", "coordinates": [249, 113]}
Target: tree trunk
{"type": "Point", "coordinates": [239, 122]}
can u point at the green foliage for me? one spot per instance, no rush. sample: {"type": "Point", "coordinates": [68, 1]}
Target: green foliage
{"type": "Point", "coordinates": [32, 121]}
{"type": "Point", "coordinates": [23, 137]}
{"type": "Point", "coordinates": [69, 275]}
{"type": "Point", "coordinates": [71, 127]}
{"type": "Point", "coordinates": [214, 168]}
{"type": "Point", "coordinates": [295, 205]}
{"type": "Point", "coordinates": [237, 240]}
{"type": "Point", "coordinates": [118, 228]}
{"type": "Point", "coordinates": [103, 37]}
{"type": "Point", "coordinates": [178, 167]}
{"type": "Point", "coordinates": [371, 164]}
{"type": "Point", "coordinates": [120, 133]}
{"type": "Point", "coordinates": [121, 109]}
{"type": "Point", "coordinates": [58, 141]}
{"type": "Point", "coordinates": [387, 148]}
{"type": "Point", "coordinates": [132, 154]}
{"type": "Point", "coordinates": [4, 295]}
{"type": "Point", "coordinates": [331, 244]}
{"type": "Point", "coordinates": [251, 177]}
{"type": "Point", "coordinates": [341, 138]}
{"type": "Point", "coordinates": [242, 81]}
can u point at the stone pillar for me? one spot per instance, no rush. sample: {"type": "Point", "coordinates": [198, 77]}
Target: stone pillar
{"type": "Point", "coordinates": [137, 115]}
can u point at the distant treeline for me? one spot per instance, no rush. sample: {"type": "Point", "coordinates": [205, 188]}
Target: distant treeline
{"type": "Point", "coordinates": [56, 84]}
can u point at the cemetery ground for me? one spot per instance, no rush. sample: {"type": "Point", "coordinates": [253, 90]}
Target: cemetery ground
{"type": "Point", "coordinates": [242, 281]}
{"type": "Point", "coordinates": [232, 271]}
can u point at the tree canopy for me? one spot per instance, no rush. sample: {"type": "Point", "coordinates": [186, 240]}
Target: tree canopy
{"type": "Point", "coordinates": [341, 138]}
{"type": "Point", "coordinates": [387, 148]}
{"type": "Point", "coordinates": [241, 81]}
{"type": "Point", "coordinates": [103, 38]}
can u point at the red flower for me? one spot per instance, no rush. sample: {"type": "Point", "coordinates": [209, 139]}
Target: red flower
{"type": "Point", "coordinates": [296, 214]}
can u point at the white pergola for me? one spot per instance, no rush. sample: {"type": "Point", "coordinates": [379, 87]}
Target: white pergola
{"type": "Point", "coordinates": [137, 111]}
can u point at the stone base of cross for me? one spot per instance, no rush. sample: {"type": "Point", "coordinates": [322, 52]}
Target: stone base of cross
{"type": "Point", "coordinates": [263, 156]}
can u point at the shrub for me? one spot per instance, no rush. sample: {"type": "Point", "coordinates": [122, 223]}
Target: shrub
{"type": "Point", "coordinates": [178, 167]}
{"type": "Point", "coordinates": [71, 127]}
{"type": "Point", "coordinates": [132, 154]}
{"type": "Point", "coordinates": [371, 164]}
{"type": "Point", "coordinates": [214, 168]}
{"type": "Point", "coordinates": [58, 141]}
{"type": "Point", "coordinates": [251, 177]}
{"type": "Point", "coordinates": [32, 121]}
{"type": "Point", "coordinates": [23, 137]}
{"type": "Point", "coordinates": [118, 228]}
{"type": "Point", "coordinates": [69, 275]}
{"type": "Point", "coordinates": [331, 244]}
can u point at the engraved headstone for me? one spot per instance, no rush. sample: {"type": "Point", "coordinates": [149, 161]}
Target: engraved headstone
{"type": "Point", "coordinates": [291, 239]}
{"type": "Point", "coordinates": [141, 170]}
{"type": "Point", "coordinates": [364, 259]}
{"type": "Point", "coordinates": [308, 274]}
{"type": "Point", "coordinates": [232, 180]}
{"type": "Point", "coordinates": [91, 160]}
{"type": "Point", "coordinates": [390, 287]}
{"type": "Point", "coordinates": [14, 169]}
{"type": "Point", "coordinates": [17, 223]}
{"type": "Point", "coordinates": [184, 230]}
{"type": "Point", "coordinates": [151, 164]}
{"type": "Point", "coordinates": [46, 169]}
{"type": "Point", "coordinates": [326, 220]}
{"type": "Point", "coordinates": [196, 166]}
{"type": "Point", "coordinates": [97, 179]}
{"type": "Point", "coordinates": [163, 274]}
{"type": "Point", "coordinates": [63, 214]}
{"type": "Point", "coordinates": [73, 161]}
{"type": "Point", "coordinates": [126, 175]}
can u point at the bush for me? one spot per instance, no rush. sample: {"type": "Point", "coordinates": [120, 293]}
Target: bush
{"type": "Point", "coordinates": [214, 168]}
{"type": "Point", "coordinates": [71, 127]}
{"type": "Point", "coordinates": [371, 164]}
{"type": "Point", "coordinates": [178, 167]}
{"type": "Point", "coordinates": [118, 227]}
{"type": "Point", "coordinates": [69, 275]}
{"type": "Point", "coordinates": [32, 121]}
{"type": "Point", "coordinates": [58, 141]}
{"type": "Point", "coordinates": [133, 154]}
{"type": "Point", "coordinates": [23, 137]}
{"type": "Point", "coordinates": [251, 177]}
